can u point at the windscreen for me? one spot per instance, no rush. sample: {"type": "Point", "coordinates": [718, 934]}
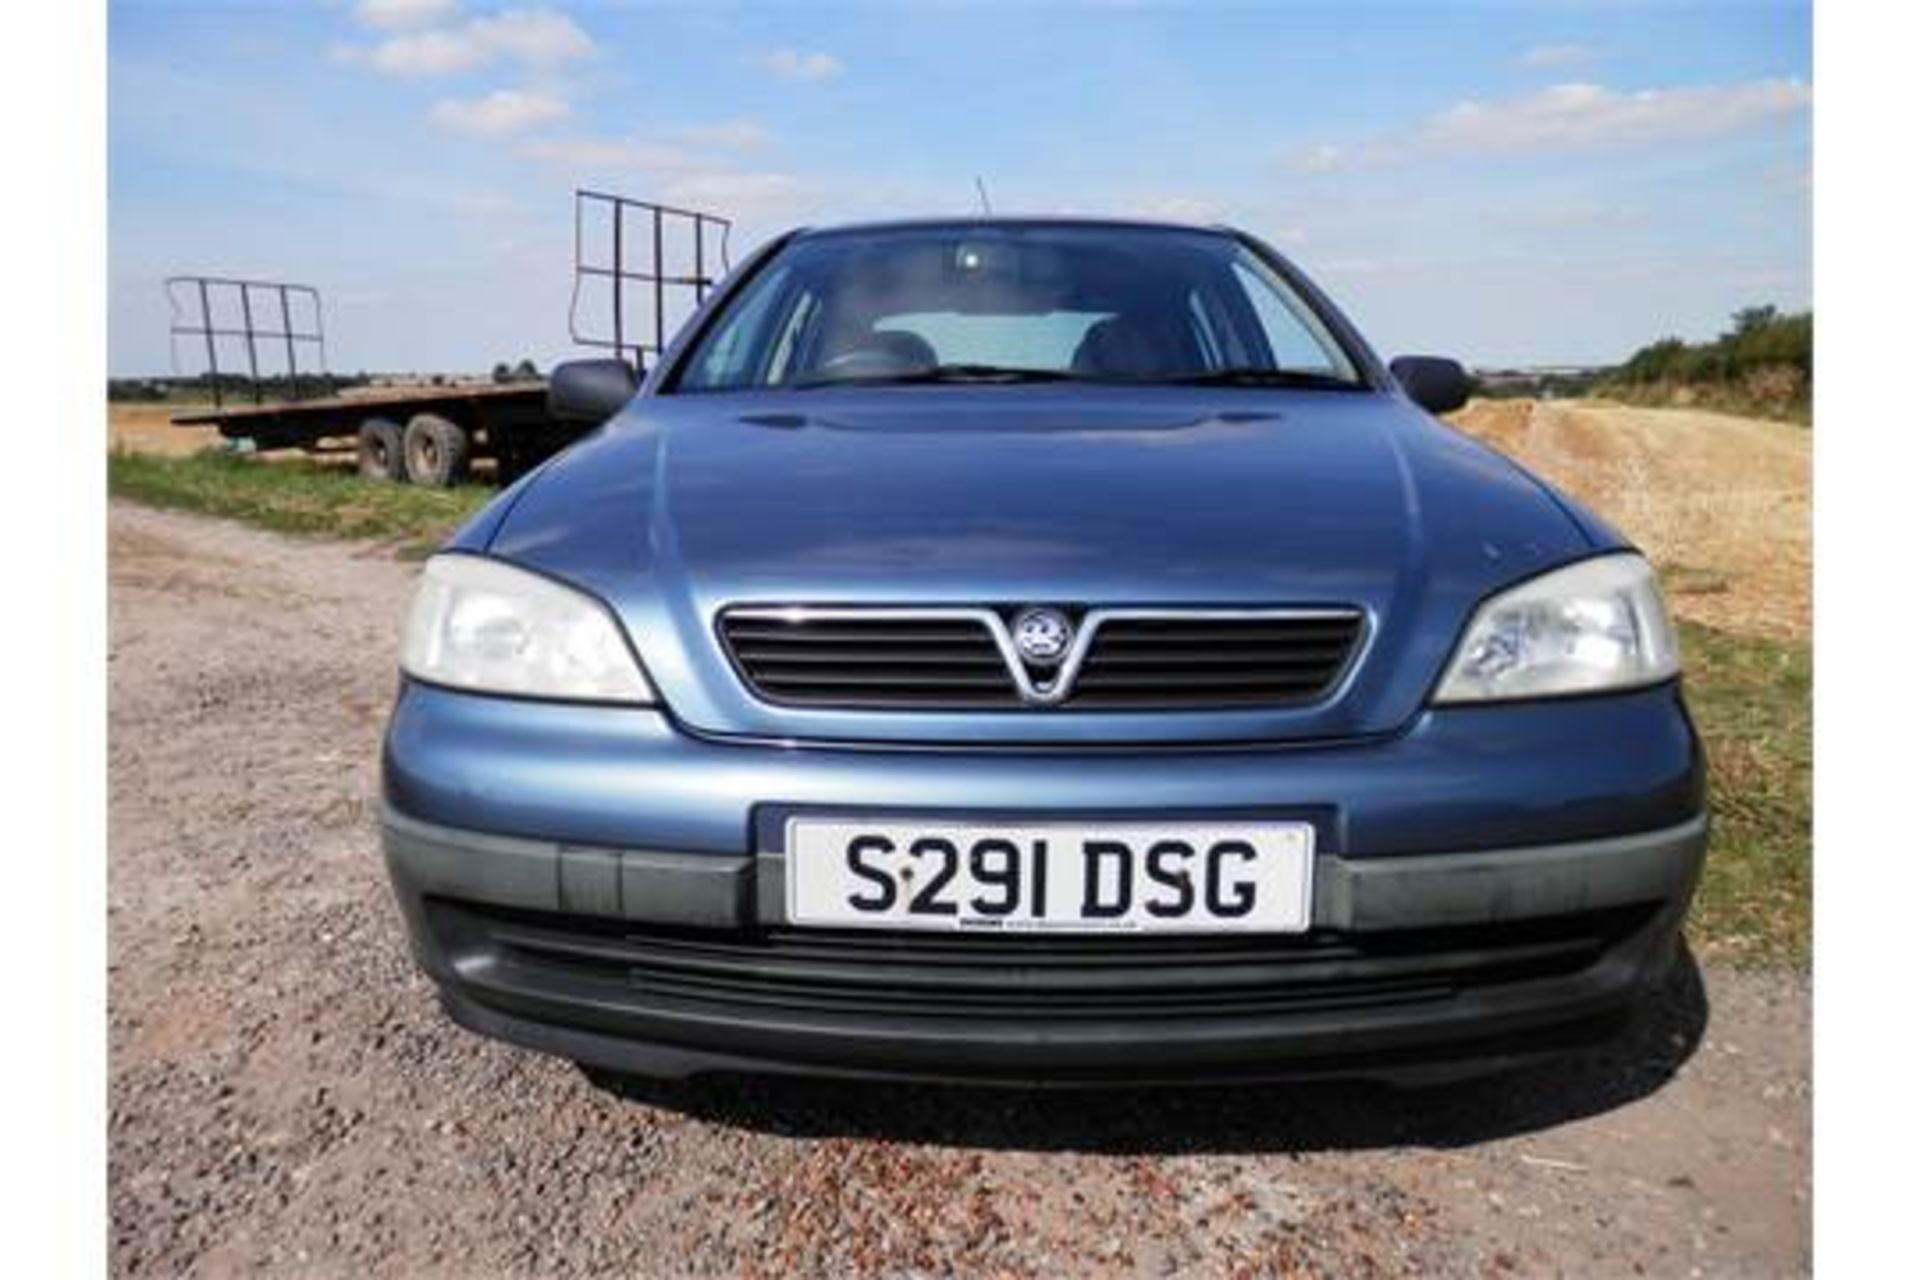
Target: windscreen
{"type": "Point", "coordinates": [1015, 303]}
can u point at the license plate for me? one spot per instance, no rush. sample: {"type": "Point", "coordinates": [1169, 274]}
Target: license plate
{"type": "Point", "coordinates": [1054, 877]}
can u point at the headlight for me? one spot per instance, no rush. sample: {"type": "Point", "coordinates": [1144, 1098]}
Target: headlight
{"type": "Point", "coordinates": [481, 624]}
{"type": "Point", "coordinates": [1588, 627]}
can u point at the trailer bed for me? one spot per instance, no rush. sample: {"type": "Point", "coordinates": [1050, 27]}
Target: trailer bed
{"type": "Point", "coordinates": [300, 420]}
{"type": "Point", "coordinates": [426, 435]}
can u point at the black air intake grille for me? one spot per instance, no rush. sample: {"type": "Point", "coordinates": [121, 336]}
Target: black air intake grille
{"type": "Point", "coordinates": [1178, 663]}
{"type": "Point", "coordinates": [951, 660]}
{"type": "Point", "coordinates": [880, 662]}
{"type": "Point", "coordinates": [1046, 978]}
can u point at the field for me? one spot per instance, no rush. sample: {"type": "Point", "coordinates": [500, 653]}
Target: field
{"type": "Point", "coordinates": [148, 428]}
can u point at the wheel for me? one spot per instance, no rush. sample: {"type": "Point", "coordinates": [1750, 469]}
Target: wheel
{"type": "Point", "coordinates": [437, 451]}
{"type": "Point", "coordinates": [379, 453]}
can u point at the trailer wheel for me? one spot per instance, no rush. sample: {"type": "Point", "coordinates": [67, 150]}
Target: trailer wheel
{"type": "Point", "coordinates": [437, 451]}
{"type": "Point", "coordinates": [379, 451]}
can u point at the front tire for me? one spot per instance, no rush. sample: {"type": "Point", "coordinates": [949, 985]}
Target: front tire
{"type": "Point", "coordinates": [437, 451]}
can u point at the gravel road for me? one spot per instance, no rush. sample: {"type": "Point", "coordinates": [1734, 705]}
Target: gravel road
{"type": "Point", "coordinates": [284, 1096]}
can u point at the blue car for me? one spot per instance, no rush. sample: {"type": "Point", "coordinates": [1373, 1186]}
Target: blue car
{"type": "Point", "coordinates": [1046, 651]}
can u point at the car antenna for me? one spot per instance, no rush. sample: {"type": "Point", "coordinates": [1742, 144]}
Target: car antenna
{"type": "Point", "coordinates": [980, 185]}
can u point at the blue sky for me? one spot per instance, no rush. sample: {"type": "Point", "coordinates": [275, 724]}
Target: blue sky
{"type": "Point", "coordinates": [1508, 183]}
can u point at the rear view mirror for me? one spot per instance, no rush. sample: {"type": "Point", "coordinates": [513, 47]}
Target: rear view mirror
{"type": "Point", "coordinates": [1436, 384]}
{"type": "Point", "coordinates": [590, 390]}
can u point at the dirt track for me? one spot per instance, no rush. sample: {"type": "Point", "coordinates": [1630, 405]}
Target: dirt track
{"type": "Point", "coordinates": [284, 1096]}
{"type": "Point", "coordinates": [1722, 504]}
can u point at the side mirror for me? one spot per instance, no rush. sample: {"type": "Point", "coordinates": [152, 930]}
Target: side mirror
{"type": "Point", "coordinates": [590, 390]}
{"type": "Point", "coordinates": [1435, 384]}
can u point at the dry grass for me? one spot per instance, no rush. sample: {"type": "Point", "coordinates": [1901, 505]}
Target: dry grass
{"type": "Point", "coordinates": [1752, 701]}
{"type": "Point", "coordinates": [148, 428]}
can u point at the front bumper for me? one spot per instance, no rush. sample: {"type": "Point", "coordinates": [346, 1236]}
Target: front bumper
{"type": "Point", "coordinates": [668, 964]}
{"type": "Point", "coordinates": [1490, 885]}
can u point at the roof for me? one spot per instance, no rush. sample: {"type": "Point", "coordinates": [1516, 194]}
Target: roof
{"type": "Point", "coordinates": [1005, 220]}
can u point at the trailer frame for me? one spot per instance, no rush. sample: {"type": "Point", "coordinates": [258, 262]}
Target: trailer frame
{"type": "Point", "coordinates": [430, 434]}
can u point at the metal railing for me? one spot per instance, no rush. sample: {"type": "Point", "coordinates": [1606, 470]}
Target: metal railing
{"type": "Point", "coordinates": [193, 300]}
{"type": "Point", "coordinates": [658, 229]}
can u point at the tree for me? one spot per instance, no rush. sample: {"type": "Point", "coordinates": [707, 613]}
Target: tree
{"type": "Point", "coordinates": [526, 371]}
{"type": "Point", "coordinates": [1750, 320]}
{"type": "Point", "coordinates": [501, 373]}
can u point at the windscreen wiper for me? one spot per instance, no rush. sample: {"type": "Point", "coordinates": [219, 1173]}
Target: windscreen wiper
{"type": "Point", "coordinates": [1257, 377]}
{"type": "Point", "coordinates": [939, 373]}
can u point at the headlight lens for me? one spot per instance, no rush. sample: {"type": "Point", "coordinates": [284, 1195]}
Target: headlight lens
{"type": "Point", "coordinates": [484, 625]}
{"type": "Point", "coordinates": [1592, 626]}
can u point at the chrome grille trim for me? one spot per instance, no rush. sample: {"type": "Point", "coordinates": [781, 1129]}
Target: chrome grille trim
{"type": "Point", "coordinates": [930, 658]}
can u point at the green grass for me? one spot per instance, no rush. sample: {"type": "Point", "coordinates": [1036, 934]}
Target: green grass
{"type": "Point", "coordinates": [1752, 700]}
{"type": "Point", "coordinates": [295, 496]}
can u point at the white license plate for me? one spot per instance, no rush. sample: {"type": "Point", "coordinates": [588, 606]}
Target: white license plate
{"type": "Point", "coordinates": [1055, 877]}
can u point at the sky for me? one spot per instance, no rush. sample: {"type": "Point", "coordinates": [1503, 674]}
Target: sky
{"type": "Point", "coordinates": [1506, 183]}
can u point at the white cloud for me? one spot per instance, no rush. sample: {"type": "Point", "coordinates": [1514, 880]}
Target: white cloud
{"type": "Point", "coordinates": [1569, 117]}
{"type": "Point", "coordinates": [395, 14]}
{"type": "Point", "coordinates": [1179, 208]}
{"type": "Point", "coordinates": [676, 151]}
{"type": "Point", "coordinates": [1573, 214]}
{"type": "Point", "coordinates": [536, 37]}
{"type": "Point", "coordinates": [610, 154]}
{"type": "Point", "coordinates": [429, 53]}
{"type": "Point", "coordinates": [1324, 158]}
{"type": "Point", "coordinates": [683, 175]}
{"type": "Point", "coordinates": [501, 112]}
{"type": "Point", "coordinates": [1546, 57]}
{"type": "Point", "coordinates": [797, 64]}
{"type": "Point", "coordinates": [734, 135]}
{"type": "Point", "coordinates": [1352, 267]}
{"type": "Point", "coordinates": [741, 195]}
{"type": "Point", "coordinates": [1328, 158]}
{"type": "Point", "coordinates": [1584, 115]}
{"type": "Point", "coordinates": [542, 37]}
{"type": "Point", "coordinates": [481, 203]}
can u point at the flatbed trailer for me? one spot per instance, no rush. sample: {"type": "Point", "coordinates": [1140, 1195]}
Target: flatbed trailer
{"type": "Point", "coordinates": [638, 269]}
{"type": "Point", "coordinates": [423, 435]}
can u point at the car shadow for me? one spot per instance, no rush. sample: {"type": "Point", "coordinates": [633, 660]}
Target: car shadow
{"type": "Point", "coordinates": [1223, 1119]}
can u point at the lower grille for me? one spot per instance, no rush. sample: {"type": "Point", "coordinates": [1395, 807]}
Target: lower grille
{"type": "Point", "coordinates": [1039, 977]}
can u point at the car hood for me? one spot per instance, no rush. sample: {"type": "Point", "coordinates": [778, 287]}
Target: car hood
{"type": "Point", "coordinates": [1010, 496]}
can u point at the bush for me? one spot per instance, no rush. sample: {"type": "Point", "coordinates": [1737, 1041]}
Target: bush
{"type": "Point", "coordinates": [1762, 364]}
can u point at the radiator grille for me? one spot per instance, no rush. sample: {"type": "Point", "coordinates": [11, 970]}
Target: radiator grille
{"type": "Point", "coordinates": [963, 659]}
{"type": "Point", "coordinates": [1226, 662]}
{"type": "Point", "coordinates": [930, 663]}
